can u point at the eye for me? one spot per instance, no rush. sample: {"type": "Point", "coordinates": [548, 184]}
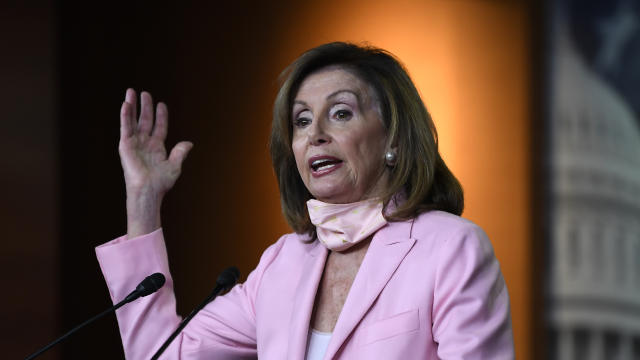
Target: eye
{"type": "Point", "coordinates": [301, 122]}
{"type": "Point", "coordinates": [343, 114]}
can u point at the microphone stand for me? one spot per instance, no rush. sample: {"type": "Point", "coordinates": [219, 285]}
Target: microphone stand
{"type": "Point", "coordinates": [65, 336]}
{"type": "Point", "coordinates": [225, 281]}
{"type": "Point", "coordinates": [148, 286]}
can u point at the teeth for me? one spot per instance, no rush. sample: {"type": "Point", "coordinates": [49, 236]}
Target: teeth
{"type": "Point", "coordinates": [322, 164]}
{"type": "Point", "coordinates": [325, 167]}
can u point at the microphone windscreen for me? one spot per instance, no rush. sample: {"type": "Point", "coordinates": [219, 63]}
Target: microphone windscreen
{"type": "Point", "coordinates": [228, 277]}
{"type": "Point", "coordinates": [151, 284]}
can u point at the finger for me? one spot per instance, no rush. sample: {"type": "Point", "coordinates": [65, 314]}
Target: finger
{"type": "Point", "coordinates": [179, 153]}
{"type": "Point", "coordinates": [145, 123]}
{"type": "Point", "coordinates": [131, 99]}
{"type": "Point", "coordinates": [162, 122]}
{"type": "Point", "coordinates": [126, 117]}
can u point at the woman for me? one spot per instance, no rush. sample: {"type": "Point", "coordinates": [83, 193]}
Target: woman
{"type": "Point", "coordinates": [380, 265]}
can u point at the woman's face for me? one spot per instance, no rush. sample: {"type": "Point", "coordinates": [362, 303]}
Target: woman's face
{"type": "Point", "coordinates": [338, 137]}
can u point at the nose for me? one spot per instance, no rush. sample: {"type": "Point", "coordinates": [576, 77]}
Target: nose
{"type": "Point", "coordinates": [318, 134]}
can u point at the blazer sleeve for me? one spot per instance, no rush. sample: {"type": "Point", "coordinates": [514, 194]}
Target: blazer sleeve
{"type": "Point", "coordinates": [224, 329]}
{"type": "Point", "coordinates": [471, 315]}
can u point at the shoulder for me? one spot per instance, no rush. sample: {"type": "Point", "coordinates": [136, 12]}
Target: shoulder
{"type": "Point", "coordinates": [289, 245]}
{"type": "Point", "coordinates": [285, 254]}
{"type": "Point", "coordinates": [448, 232]}
{"type": "Point", "coordinates": [442, 225]}
{"type": "Point", "coordinates": [295, 242]}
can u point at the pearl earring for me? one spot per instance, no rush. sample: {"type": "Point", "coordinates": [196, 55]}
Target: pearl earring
{"type": "Point", "coordinates": [390, 157]}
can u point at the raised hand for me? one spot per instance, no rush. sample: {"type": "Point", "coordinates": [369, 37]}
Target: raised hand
{"type": "Point", "coordinates": [148, 172]}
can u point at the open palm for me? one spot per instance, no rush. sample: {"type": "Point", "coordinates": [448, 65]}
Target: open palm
{"type": "Point", "coordinates": [148, 172]}
{"type": "Point", "coordinates": [142, 152]}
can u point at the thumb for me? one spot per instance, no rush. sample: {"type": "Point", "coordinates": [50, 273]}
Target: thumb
{"type": "Point", "coordinates": [180, 152]}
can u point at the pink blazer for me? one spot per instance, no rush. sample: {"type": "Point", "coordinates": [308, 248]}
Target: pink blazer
{"type": "Point", "coordinates": [429, 288]}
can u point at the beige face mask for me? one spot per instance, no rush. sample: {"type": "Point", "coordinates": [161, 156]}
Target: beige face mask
{"type": "Point", "coordinates": [340, 226]}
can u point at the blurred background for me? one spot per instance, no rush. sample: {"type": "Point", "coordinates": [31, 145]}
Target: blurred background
{"type": "Point", "coordinates": [537, 106]}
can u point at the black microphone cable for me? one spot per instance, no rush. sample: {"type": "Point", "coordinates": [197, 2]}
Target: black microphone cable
{"type": "Point", "coordinates": [225, 281]}
{"type": "Point", "coordinates": [148, 286]}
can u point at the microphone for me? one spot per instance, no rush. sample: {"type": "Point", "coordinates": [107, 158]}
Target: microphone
{"type": "Point", "coordinates": [148, 286]}
{"type": "Point", "coordinates": [228, 278]}
{"type": "Point", "coordinates": [225, 281]}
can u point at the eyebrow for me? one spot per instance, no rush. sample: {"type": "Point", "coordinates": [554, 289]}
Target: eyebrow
{"type": "Point", "coordinates": [332, 95]}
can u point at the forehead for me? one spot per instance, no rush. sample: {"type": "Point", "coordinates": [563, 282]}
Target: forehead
{"type": "Point", "coordinates": [327, 81]}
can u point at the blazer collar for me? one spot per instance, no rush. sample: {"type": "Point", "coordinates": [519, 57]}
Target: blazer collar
{"type": "Point", "coordinates": [388, 248]}
{"type": "Point", "coordinates": [305, 297]}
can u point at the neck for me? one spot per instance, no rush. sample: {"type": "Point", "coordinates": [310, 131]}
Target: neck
{"type": "Point", "coordinates": [357, 250]}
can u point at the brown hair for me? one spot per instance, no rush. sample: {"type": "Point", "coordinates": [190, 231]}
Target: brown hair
{"type": "Point", "coordinates": [419, 171]}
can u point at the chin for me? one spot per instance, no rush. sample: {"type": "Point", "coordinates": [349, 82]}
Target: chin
{"type": "Point", "coordinates": [336, 192]}
{"type": "Point", "coordinates": [338, 197]}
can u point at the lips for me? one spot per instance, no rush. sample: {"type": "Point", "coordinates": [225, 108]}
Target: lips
{"type": "Point", "coordinates": [323, 164]}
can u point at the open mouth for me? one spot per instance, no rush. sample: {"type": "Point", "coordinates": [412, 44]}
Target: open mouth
{"type": "Point", "coordinates": [323, 164]}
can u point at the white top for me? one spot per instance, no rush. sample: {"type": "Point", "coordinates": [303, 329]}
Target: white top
{"type": "Point", "coordinates": [317, 345]}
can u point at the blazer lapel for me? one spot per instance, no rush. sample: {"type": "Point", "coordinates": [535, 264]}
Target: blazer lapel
{"type": "Point", "coordinates": [304, 299]}
{"type": "Point", "coordinates": [386, 251]}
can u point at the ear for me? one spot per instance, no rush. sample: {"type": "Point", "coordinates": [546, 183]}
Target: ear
{"type": "Point", "coordinates": [393, 146]}
{"type": "Point", "coordinates": [391, 143]}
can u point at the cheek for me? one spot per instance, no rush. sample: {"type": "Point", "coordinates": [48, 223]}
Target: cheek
{"type": "Point", "coordinates": [362, 157]}
{"type": "Point", "coordinates": [371, 149]}
{"type": "Point", "coordinates": [298, 154]}
{"type": "Point", "coordinates": [370, 158]}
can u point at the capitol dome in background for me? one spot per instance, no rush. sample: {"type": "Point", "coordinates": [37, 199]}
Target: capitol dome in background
{"type": "Point", "coordinates": [594, 249]}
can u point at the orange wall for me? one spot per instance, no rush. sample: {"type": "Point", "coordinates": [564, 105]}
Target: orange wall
{"type": "Point", "coordinates": [470, 60]}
